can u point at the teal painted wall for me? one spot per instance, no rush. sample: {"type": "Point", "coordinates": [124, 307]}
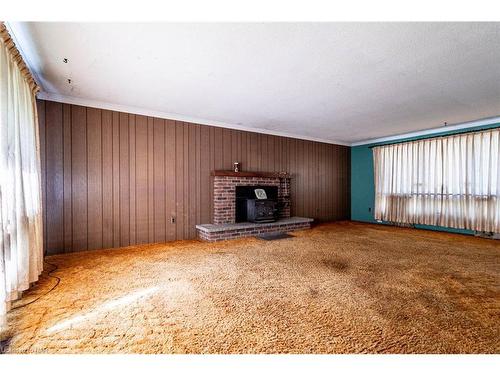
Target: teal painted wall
{"type": "Point", "coordinates": [363, 187]}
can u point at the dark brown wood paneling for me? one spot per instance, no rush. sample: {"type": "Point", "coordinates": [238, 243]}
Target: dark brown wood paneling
{"type": "Point", "coordinates": [124, 180]}
{"type": "Point", "coordinates": [150, 180]}
{"type": "Point", "coordinates": [55, 178]}
{"type": "Point", "coordinates": [132, 179]}
{"type": "Point", "coordinates": [116, 179]}
{"type": "Point", "coordinates": [170, 176]}
{"type": "Point", "coordinates": [112, 179]}
{"type": "Point", "coordinates": [107, 178]}
{"type": "Point", "coordinates": [68, 203]}
{"type": "Point", "coordinates": [187, 175]}
{"type": "Point", "coordinates": [205, 185]}
{"type": "Point", "coordinates": [79, 180]}
{"type": "Point", "coordinates": [179, 181]}
{"type": "Point", "coordinates": [159, 180]}
{"type": "Point", "coordinates": [94, 168]}
{"type": "Point", "coordinates": [192, 173]}
{"type": "Point", "coordinates": [141, 182]}
{"type": "Point", "coordinates": [41, 127]}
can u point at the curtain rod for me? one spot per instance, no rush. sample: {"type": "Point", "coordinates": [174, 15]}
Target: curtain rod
{"type": "Point", "coordinates": [437, 136]}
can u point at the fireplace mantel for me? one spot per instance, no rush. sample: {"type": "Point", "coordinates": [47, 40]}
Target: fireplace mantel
{"type": "Point", "coordinates": [252, 174]}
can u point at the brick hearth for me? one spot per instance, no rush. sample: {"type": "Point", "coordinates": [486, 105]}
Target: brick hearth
{"type": "Point", "coordinates": [219, 232]}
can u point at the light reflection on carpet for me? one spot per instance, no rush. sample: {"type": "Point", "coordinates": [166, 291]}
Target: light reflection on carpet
{"type": "Point", "coordinates": [110, 305]}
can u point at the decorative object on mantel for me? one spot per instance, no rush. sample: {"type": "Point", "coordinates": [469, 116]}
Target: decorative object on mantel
{"type": "Point", "coordinates": [236, 166]}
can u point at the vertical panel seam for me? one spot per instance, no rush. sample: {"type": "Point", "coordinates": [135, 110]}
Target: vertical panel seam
{"type": "Point", "coordinates": [87, 171]}
{"type": "Point", "coordinates": [102, 187]}
{"type": "Point", "coordinates": [166, 203]}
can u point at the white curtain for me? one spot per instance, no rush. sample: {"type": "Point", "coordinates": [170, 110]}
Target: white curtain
{"type": "Point", "coordinates": [21, 256]}
{"type": "Point", "coordinates": [451, 181]}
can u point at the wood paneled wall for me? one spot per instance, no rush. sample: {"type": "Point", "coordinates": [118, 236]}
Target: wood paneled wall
{"type": "Point", "coordinates": [113, 179]}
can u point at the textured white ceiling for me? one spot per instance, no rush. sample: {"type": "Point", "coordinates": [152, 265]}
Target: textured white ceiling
{"type": "Point", "coordinates": [333, 81]}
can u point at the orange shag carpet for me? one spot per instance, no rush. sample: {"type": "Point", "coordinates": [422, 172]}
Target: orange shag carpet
{"type": "Point", "coordinates": [338, 288]}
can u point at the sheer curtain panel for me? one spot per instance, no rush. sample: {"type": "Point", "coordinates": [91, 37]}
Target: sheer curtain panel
{"type": "Point", "coordinates": [21, 247]}
{"type": "Point", "coordinates": [451, 181]}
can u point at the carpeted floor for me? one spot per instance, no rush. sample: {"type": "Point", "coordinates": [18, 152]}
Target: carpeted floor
{"type": "Point", "coordinates": [338, 288]}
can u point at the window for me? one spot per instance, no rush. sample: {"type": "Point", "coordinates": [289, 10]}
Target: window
{"type": "Point", "coordinates": [451, 181]}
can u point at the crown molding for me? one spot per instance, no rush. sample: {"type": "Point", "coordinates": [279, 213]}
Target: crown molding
{"type": "Point", "coordinates": [453, 127]}
{"type": "Point", "coordinates": [173, 116]}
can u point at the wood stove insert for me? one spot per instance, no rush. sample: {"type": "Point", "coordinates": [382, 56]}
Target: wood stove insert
{"type": "Point", "coordinates": [256, 204]}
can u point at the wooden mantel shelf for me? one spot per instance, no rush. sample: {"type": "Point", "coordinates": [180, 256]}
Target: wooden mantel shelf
{"type": "Point", "coordinates": [252, 174]}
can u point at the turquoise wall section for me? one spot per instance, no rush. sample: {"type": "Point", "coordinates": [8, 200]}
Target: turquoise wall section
{"type": "Point", "coordinates": [363, 187]}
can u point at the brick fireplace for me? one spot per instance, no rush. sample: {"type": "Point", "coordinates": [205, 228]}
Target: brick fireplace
{"type": "Point", "coordinates": [225, 226]}
{"type": "Point", "coordinates": [225, 183]}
